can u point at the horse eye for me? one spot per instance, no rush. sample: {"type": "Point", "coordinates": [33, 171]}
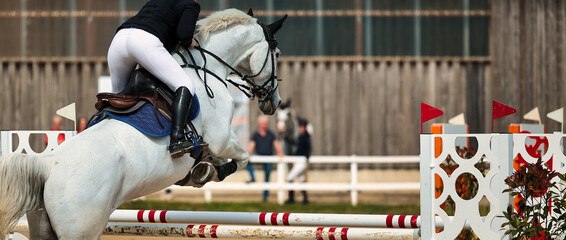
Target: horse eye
{"type": "Point", "coordinates": [277, 54]}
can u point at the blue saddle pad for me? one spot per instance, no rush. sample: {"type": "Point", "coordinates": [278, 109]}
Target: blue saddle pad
{"type": "Point", "coordinates": [145, 120]}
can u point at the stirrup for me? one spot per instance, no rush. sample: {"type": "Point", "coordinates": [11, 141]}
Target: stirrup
{"type": "Point", "coordinates": [179, 148]}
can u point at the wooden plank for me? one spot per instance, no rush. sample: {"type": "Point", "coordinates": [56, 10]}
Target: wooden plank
{"type": "Point", "coordinates": [430, 80]}
{"type": "Point", "coordinates": [442, 96]}
{"type": "Point", "coordinates": [374, 104]}
{"type": "Point", "coordinates": [4, 118]}
{"type": "Point", "coordinates": [354, 114]}
{"type": "Point", "coordinates": [343, 96]}
{"type": "Point", "coordinates": [561, 58]}
{"type": "Point", "coordinates": [551, 81]}
{"type": "Point", "coordinates": [418, 92]}
{"type": "Point", "coordinates": [334, 102]}
{"type": "Point", "coordinates": [85, 85]}
{"type": "Point", "coordinates": [405, 102]}
{"type": "Point", "coordinates": [380, 109]}
{"type": "Point", "coordinates": [320, 104]}
{"type": "Point", "coordinates": [392, 110]}
{"type": "Point", "coordinates": [15, 103]}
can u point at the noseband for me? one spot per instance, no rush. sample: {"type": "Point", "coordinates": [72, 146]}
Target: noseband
{"type": "Point", "coordinates": [251, 90]}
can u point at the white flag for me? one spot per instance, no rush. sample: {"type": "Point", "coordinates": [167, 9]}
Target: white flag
{"type": "Point", "coordinates": [458, 120]}
{"type": "Point", "coordinates": [557, 115]}
{"type": "Point", "coordinates": [68, 112]}
{"type": "Point", "coordinates": [533, 115]}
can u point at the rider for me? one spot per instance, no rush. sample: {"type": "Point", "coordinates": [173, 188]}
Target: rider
{"type": "Point", "coordinates": [147, 39]}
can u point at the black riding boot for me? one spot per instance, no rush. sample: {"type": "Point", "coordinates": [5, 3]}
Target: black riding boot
{"type": "Point", "coordinates": [179, 144]}
{"type": "Point", "coordinates": [305, 198]}
{"type": "Point", "coordinates": [291, 197]}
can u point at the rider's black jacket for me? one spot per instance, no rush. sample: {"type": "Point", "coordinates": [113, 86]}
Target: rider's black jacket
{"type": "Point", "coordinates": [172, 21]}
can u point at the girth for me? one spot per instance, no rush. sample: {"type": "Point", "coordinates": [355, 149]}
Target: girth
{"type": "Point", "coordinates": [141, 89]}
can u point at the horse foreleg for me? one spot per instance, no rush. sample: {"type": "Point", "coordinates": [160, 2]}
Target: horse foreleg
{"type": "Point", "coordinates": [217, 167]}
{"type": "Point", "coordinates": [232, 150]}
{"type": "Point", "coordinates": [39, 225]}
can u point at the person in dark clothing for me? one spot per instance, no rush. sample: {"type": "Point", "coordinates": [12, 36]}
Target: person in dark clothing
{"type": "Point", "coordinates": [299, 170]}
{"type": "Point", "coordinates": [263, 142]}
{"type": "Point", "coordinates": [147, 39]}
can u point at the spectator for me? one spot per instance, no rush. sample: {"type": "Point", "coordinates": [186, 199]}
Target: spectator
{"type": "Point", "coordinates": [263, 142]}
{"type": "Point", "coordinates": [56, 126]}
{"type": "Point", "coordinates": [82, 124]}
{"type": "Point", "coordinates": [299, 170]}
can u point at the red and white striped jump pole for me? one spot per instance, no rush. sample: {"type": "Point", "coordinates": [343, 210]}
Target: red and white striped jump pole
{"type": "Point", "coordinates": [255, 232]}
{"type": "Point", "coordinates": [249, 232]}
{"type": "Point", "coordinates": [276, 219]}
{"type": "Point", "coordinates": [263, 218]}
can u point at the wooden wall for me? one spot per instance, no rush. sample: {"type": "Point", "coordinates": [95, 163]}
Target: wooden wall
{"type": "Point", "coordinates": [528, 49]}
{"type": "Point", "coordinates": [365, 106]}
{"type": "Point", "coordinates": [371, 106]}
{"type": "Point", "coordinates": [34, 88]}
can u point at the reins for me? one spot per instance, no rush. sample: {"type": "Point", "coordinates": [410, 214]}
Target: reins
{"type": "Point", "coordinates": [255, 90]}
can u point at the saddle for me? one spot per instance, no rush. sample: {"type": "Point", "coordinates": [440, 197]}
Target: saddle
{"type": "Point", "coordinates": [142, 88]}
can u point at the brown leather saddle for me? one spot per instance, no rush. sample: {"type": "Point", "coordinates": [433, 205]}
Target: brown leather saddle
{"type": "Point", "coordinates": [142, 88]}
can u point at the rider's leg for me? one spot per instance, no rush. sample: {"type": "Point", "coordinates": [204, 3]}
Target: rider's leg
{"type": "Point", "coordinates": [291, 198]}
{"type": "Point", "coordinates": [149, 52]}
{"type": "Point", "coordinates": [305, 197]}
{"type": "Point", "coordinates": [120, 64]}
{"type": "Point", "coordinates": [179, 143]}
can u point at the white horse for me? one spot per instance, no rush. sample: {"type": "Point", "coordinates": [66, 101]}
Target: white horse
{"type": "Point", "coordinates": [287, 128]}
{"type": "Point", "coordinates": [71, 192]}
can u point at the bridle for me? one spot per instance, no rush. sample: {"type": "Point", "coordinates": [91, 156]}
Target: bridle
{"type": "Point", "coordinates": [251, 89]}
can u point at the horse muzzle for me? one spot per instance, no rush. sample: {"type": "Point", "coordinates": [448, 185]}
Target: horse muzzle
{"type": "Point", "coordinates": [269, 106]}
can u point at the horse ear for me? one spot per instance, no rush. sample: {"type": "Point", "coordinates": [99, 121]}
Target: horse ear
{"type": "Point", "coordinates": [250, 12]}
{"type": "Point", "coordinates": [275, 26]}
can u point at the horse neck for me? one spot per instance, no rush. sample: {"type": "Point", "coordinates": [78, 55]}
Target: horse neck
{"type": "Point", "coordinates": [232, 50]}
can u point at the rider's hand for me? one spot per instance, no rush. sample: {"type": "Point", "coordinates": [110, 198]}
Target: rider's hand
{"type": "Point", "coordinates": [193, 43]}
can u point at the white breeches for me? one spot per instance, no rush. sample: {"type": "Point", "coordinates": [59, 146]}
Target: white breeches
{"type": "Point", "coordinates": [298, 170]}
{"type": "Point", "coordinates": [132, 46]}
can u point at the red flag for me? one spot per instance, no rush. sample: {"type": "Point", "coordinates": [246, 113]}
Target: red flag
{"type": "Point", "coordinates": [500, 110]}
{"type": "Point", "coordinates": [429, 112]}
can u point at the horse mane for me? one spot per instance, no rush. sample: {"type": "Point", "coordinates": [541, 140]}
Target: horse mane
{"type": "Point", "coordinates": [221, 20]}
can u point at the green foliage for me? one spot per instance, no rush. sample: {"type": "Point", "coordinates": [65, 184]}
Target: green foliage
{"type": "Point", "coordinates": [538, 196]}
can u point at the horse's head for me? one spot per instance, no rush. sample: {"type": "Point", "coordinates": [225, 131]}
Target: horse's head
{"type": "Point", "coordinates": [284, 118]}
{"type": "Point", "coordinates": [287, 130]}
{"type": "Point", "coordinates": [262, 67]}
{"type": "Point", "coordinates": [250, 50]}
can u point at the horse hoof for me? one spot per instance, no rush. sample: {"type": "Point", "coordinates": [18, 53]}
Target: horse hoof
{"type": "Point", "coordinates": [203, 173]}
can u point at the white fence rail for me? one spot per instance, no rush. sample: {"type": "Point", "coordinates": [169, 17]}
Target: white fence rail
{"type": "Point", "coordinates": [281, 185]}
